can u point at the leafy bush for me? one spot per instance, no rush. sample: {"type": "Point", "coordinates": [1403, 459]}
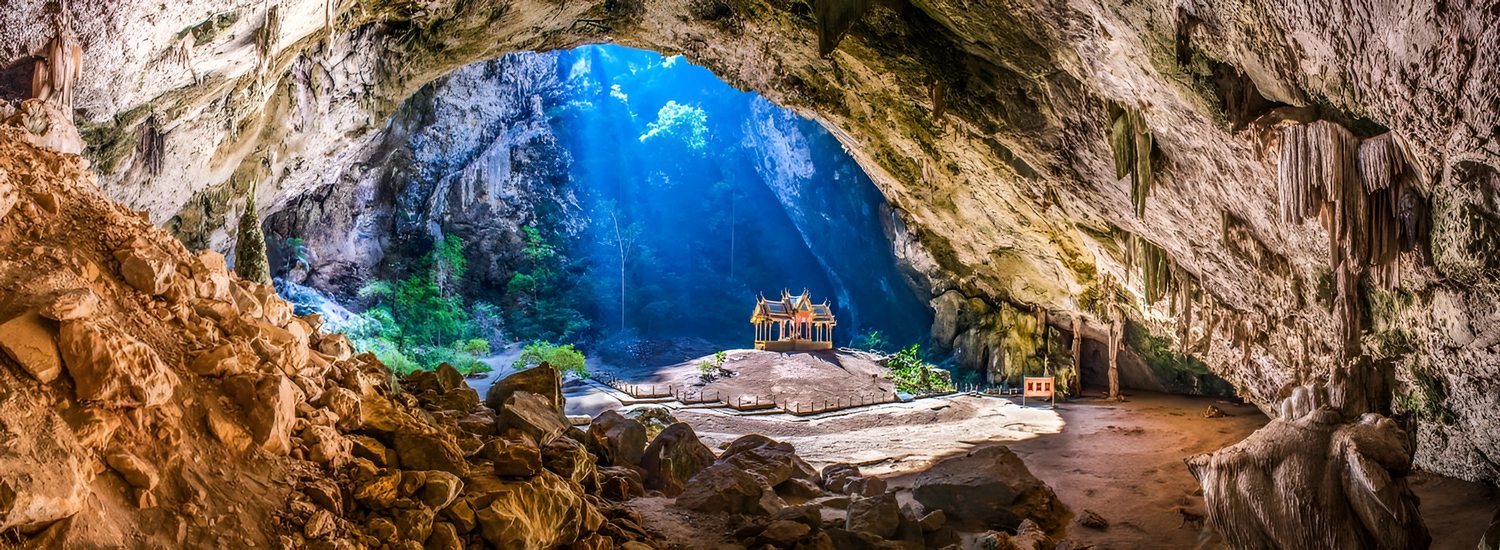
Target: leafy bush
{"type": "Point", "coordinates": [563, 358]}
{"type": "Point", "coordinates": [873, 341]}
{"type": "Point", "coordinates": [913, 375]}
{"type": "Point", "coordinates": [421, 321]}
{"type": "Point", "coordinates": [711, 370]}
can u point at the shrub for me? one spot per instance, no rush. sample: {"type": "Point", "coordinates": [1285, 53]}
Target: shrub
{"type": "Point", "coordinates": [873, 341]}
{"type": "Point", "coordinates": [913, 375]}
{"type": "Point", "coordinates": [711, 370]}
{"type": "Point", "coordinates": [564, 358]}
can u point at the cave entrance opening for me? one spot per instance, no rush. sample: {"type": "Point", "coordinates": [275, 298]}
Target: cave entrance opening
{"type": "Point", "coordinates": [619, 199]}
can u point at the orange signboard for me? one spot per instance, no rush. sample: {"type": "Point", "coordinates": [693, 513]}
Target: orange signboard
{"type": "Point", "coordinates": [1038, 386]}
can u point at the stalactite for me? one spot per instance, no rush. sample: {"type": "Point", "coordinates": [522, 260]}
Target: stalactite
{"type": "Point", "coordinates": [939, 103]}
{"type": "Point", "coordinates": [1185, 23]}
{"type": "Point", "coordinates": [52, 80]}
{"type": "Point", "coordinates": [835, 17]}
{"type": "Point", "coordinates": [1358, 189]}
{"type": "Point", "coordinates": [1316, 162]}
{"type": "Point", "coordinates": [1156, 270]}
{"type": "Point", "coordinates": [1132, 144]}
{"type": "Point", "coordinates": [269, 33]}
{"type": "Point", "coordinates": [151, 145]}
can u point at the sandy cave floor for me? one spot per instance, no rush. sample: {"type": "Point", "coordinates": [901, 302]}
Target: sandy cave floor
{"type": "Point", "coordinates": [1123, 461]}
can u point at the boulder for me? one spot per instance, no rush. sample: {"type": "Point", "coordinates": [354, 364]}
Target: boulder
{"type": "Point", "coordinates": [444, 537]}
{"type": "Point", "coordinates": [112, 368]}
{"type": "Point", "coordinates": [542, 511]}
{"type": "Point", "coordinates": [772, 460]}
{"type": "Point", "coordinates": [347, 405]}
{"type": "Point", "coordinates": [219, 361]}
{"type": "Point", "coordinates": [799, 488]}
{"type": "Point", "coordinates": [47, 473]}
{"type": "Point", "coordinates": [414, 524]}
{"type": "Point", "coordinates": [449, 378]}
{"type": "Point", "coordinates": [379, 493]}
{"type": "Point", "coordinates": [373, 450]}
{"type": "Point", "coordinates": [211, 276]}
{"type": "Point", "coordinates": [879, 516]}
{"type": "Point", "coordinates": [724, 488]}
{"type": "Point", "coordinates": [336, 346]}
{"type": "Point", "coordinates": [570, 460]}
{"type": "Point", "coordinates": [533, 415]}
{"type": "Point", "coordinates": [618, 441]}
{"type": "Point", "coordinates": [327, 446]}
{"type": "Point", "coordinates": [29, 342]}
{"type": "Point", "coordinates": [145, 268]}
{"type": "Point", "coordinates": [429, 451]}
{"type": "Point", "coordinates": [620, 483]}
{"type": "Point", "coordinates": [439, 489]}
{"type": "Point", "coordinates": [138, 473]}
{"type": "Point", "coordinates": [269, 402]}
{"type": "Point", "coordinates": [226, 429]}
{"type": "Point", "coordinates": [326, 494]}
{"type": "Point", "coordinates": [319, 524]}
{"type": "Point", "coordinates": [69, 305]}
{"type": "Point", "coordinates": [783, 533]}
{"type": "Point", "coordinates": [514, 457]}
{"type": "Point", "coordinates": [865, 486]}
{"type": "Point", "coordinates": [991, 487]}
{"type": "Point", "coordinates": [835, 477]}
{"type": "Point", "coordinates": [543, 381]}
{"type": "Point", "coordinates": [675, 456]}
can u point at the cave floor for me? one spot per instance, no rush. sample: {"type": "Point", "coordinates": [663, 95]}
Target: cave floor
{"type": "Point", "coordinates": [1123, 461]}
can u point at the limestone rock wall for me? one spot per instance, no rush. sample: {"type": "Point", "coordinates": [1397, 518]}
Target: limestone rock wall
{"type": "Point", "coordinates": [985, 125]}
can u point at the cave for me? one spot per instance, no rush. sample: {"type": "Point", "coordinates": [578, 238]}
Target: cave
{"type": "Point", "coordinates": [443, 274]}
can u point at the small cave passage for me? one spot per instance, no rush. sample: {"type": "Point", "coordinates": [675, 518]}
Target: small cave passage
{"type": "Point", "coordinates": [15, 80]}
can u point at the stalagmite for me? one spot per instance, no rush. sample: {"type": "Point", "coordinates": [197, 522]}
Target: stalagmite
{"type": "Point", "coordinates": [1116, 333]}
{"type": "Point", "coordinates": [1077, 383]}
{"type": "Point", "coordinates": [250, 248]}
{"type": "Point", "coordinates": [54, 76]}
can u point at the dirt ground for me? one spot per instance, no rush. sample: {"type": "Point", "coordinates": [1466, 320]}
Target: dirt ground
{"type": "Point", "coordinates": [1123, 461]}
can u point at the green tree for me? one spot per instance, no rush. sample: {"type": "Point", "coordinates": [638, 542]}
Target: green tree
{"type": "Point", "coordinates": [564, 358]}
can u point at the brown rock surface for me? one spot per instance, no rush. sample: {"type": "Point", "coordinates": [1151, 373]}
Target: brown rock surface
{"type": "Point", "coordinates": [675, 456]}
{"type": "Point", "coordinates": [989, 487]}
{"type": "Point", "coordinates": [28, 341]}
{"type": "Point", "coordinates": [113, 368]}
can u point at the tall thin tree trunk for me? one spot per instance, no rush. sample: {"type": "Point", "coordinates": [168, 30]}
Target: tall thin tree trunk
{"type": "Point", "coordinates": [734, 202]}
{"type": "Point", "coordinates": [620, 246]}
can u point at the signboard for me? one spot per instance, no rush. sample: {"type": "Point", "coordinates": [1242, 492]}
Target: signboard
{"type": "Point", "coordinates": [1036, 386]}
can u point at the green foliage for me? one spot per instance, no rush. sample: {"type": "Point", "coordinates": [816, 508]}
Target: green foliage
{"type": "Point", "coordinates": [563, 358]}
{"type": "Point", "coordinates": [712, 369]}
{"type": "Point", "coordinates": [873, 341]}
{"type": "Point", "coordinates": [537, 297]}
{"type": "Point", "coordinates": [421, 321]}
{"type": "Point", "coordinates": [296, 253]}
{"type": "Point", "coordinates": [914, 375]}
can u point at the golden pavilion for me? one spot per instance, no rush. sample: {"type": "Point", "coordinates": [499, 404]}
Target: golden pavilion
{"type": "Point", "coordinates": [793, 323]}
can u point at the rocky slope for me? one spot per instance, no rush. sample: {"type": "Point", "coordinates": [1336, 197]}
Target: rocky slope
{"type": "Point", "coordinates": [153, 399]}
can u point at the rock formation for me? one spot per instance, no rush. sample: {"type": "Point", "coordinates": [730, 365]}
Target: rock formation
{"type": "Point", "coordinates": [1004, 192]}
{"type": "Point", "coordinates": [151, 395]}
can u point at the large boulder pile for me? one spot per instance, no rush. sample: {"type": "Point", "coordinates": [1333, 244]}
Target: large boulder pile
{"type": "Point", "coordinates": [148, 394]}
